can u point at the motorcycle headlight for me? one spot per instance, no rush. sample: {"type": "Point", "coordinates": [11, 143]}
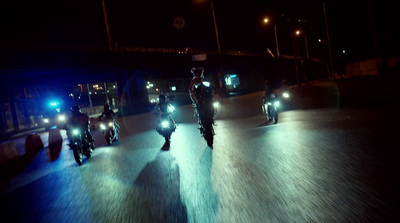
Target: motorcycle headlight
{"type": "Point", "coordinates": [276, 103]}
{"type": "Point", "coordinates": [102, 126]}
{"type": "Point", "coordinates": [75, 132]}
{"type": "Point", "coordinates": [61, 118]}
{"type": "Point", "coordinates": [206, 83]}
{"type": "Point", "coordinates": [165, 124]}
{"type": "Point", "coordinates": [285, 95]}
{"type": "Point", "coordinates": [171, 108]}
{"type": "Point", "coordinates": [110, 124]}
{"type": "Point", "coordinates": [216, 104]}
{"type": "Point", "coordinates": [46, 120]}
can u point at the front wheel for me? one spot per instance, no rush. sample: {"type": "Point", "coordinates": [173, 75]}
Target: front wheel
{"type": "Point", "coordinates": [209, 136]}
{"type": "Point", "coordinates": [167, 135]}
{"type": "Point", "coordinates": [88, 152]}
{"type": "Point", "coordinates": [275, 117]}
{"type": "Point", "coordinates": [167, 140]}
{"type": "Point", "coordinates": [108, 138]}
{"type": "Point", "coordinates": [78, 156]}
{"type": "Point", "coordinates": [270, 116]}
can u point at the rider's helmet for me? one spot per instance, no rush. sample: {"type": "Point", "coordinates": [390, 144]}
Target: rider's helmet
{"type": "Point", "coordinates": [197, 72]}
{"type": "Point", "coordinates": [161, 98]}
{"type": "Point", "coordinates": [75, 110]}
{"type": "Point", "coordinates": [267, 84]}
{"type": "Point", "coordinates": [106, 107]}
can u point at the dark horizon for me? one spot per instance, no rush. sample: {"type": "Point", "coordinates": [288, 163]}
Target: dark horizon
{"type": "Point", "coordinates": [150, 24]}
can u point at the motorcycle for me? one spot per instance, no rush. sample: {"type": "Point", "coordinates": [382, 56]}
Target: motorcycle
{"type": "Point", "coordinates": [80, 145]}
{"type": "Point", "coordinates": [271, 108]}
{"type": "Point", "coordinates": [166, 125]}
{"type": "Point", "coordinates": [109, 130]}
{"type": "Point", "coordinates": [206, 109]}
{"type": "Point", "coordinates": [286, 99]}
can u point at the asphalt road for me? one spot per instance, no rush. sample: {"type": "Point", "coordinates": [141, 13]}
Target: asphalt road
{"type": "Point", "coordinates": [316, 165]}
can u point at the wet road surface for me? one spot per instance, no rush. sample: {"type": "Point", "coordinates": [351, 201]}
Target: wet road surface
{"type": "Point", "coordinates": [317, 165]}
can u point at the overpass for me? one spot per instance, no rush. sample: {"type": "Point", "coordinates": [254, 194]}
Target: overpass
{"type": "Point", "coordinates": [131, 68]}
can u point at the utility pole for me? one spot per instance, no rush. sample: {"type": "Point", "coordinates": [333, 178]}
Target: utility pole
{"type": "Point", "coordinates": [90, 99]}
{"type": "Point", "coordinates": [329, 43]}
{"type": "Point", "coordinates": [371, 12]}
{"type": "Point", "coordinates": [294, 55]}
{"type": "Point", "coordinates": [305, 40]}
{"type": "Point", "coordinates": [215, 26]}
{"type": "Point", "coordinates": [107, 24]}
{"type": "Point", "coordinates": [276, 40]}
{"type": "Point", "coordinates": [116, 71]}
{"type": "Point", "coordinates": [105, 92]}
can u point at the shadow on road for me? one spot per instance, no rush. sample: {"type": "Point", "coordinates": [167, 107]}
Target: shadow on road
{"type": "Point", "coordinates": [14, 167]}
{"type": "Point", "coordinates": [53, 151]}
{"type": "Point", "coordinates": [159, 186]}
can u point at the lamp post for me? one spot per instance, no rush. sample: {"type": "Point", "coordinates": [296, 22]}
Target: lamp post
{"type": "Point", "coordinates": [266, 20]}
{"type": "Point", "coordinates": [215, 26]}
{"type": "Point", "coordinates": [215, 21]}
{"type": "Point", "coordinates": [298, 32]}
{"type": "Point", "coordinates": [331, 75]}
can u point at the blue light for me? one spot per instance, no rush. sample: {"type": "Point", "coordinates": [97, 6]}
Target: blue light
{"type": "Point", "coordinates": [228, 81]}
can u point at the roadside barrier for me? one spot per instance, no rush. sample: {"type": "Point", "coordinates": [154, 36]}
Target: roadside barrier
{"type": "Point", "coordinates": [55, 144]}
{"type": "Point", "coordinates": [33, 143]}
{"type": "Point", "coordinates": [7, 151]}
{"type": "Point", "coordinates": [55, 136]}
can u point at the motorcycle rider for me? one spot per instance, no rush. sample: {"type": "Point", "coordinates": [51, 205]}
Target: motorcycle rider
{"type": "Point", "coordinates": [198, 77]}
{"type": "Point", "coordinates": [80, 120]}
{"type": "Point", "coordinates": [162, 109]}
{"type": "Point", "coordinates": [109, 115]}
{"type": "Point", "coordinates": [269, 92]}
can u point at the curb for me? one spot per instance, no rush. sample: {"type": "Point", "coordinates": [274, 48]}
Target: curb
{"type": "Point", "coordinates": [8, 151]}
{"type": "Point", "coordinates": [55, 144]}
{"type": "Point", "coordinates": [33, 143]}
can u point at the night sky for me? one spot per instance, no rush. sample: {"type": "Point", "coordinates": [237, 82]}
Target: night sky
{"type": "Point", "coordinates": [149, 23]}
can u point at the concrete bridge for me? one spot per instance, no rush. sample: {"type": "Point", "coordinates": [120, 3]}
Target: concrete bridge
{"type": "Point", "coordinates": [131, 68]}
{"type": "Point", "coordinates": [73, 66]}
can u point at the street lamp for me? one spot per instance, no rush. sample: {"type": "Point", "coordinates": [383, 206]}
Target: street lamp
{"type": "Point", "coordinates": [266, 20]}
{"type": "Point", "coordinates": [215, 22]}
{"type": "Point", "coordinates": [305, 41]}
{"type": "Point", "coordinates": [215, 27]}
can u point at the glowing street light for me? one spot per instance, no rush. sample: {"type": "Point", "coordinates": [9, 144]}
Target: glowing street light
{"type": "Point", "coordinates": [266, 20]}
{"type": "Point", "coordinates": [305, 41]}
{"type": "Point", "coordinates": [215, 21]}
